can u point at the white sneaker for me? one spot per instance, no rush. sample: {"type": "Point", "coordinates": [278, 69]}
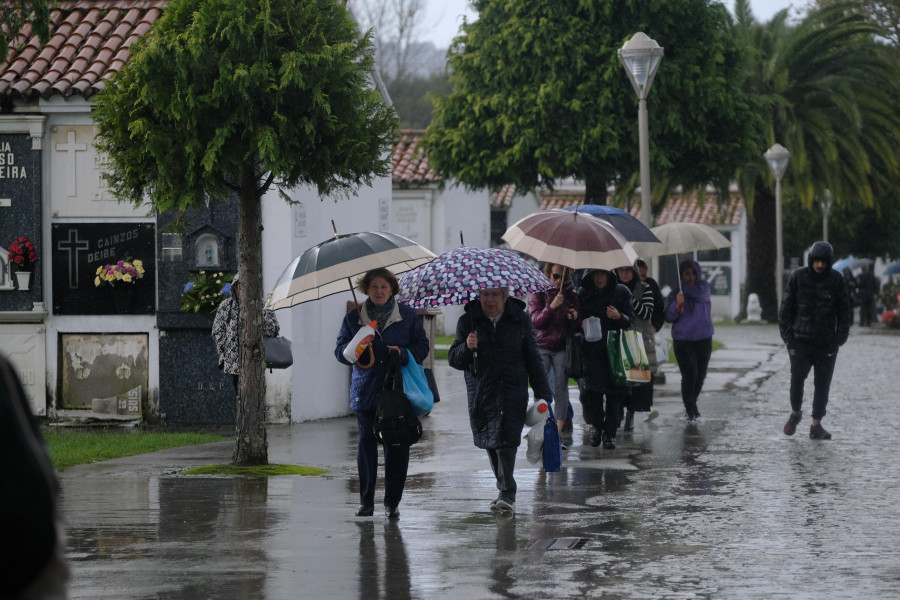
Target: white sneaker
{"type": "Point", "coordinates": [653, 414]}
{"type": "Point", "coordinates": [502, 504]}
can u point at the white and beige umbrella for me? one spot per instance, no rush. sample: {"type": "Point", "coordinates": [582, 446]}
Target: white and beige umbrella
{"type": "Point", "coordinates": [328, 268]}
{"type": "Point", "coordinates": [682, 238]}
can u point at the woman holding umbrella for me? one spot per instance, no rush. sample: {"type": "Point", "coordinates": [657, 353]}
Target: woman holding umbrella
{"type": "Point", "coordinates": [556, 314]}
{"type": "Point", "coordinates": [690, 312]}
{"type": "Point", "coordinates": [398, 329]}
{"type": "Point", "coordinates": [602, 296]}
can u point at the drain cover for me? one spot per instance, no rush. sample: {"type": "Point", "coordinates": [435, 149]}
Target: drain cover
{"type": "Point", "coordinates": [572, 543]}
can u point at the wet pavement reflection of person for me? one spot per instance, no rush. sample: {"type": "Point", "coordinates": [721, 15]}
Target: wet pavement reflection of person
{"type": "Point", "coordinates": [384, 577]}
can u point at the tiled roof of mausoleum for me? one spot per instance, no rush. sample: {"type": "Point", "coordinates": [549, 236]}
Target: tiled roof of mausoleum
{"type": "Point", "coordinates": [409, 163]}
{"type": "Point", "coordinates": [89, 41]}
{"type": "Point", "coordinates": [680, 208]}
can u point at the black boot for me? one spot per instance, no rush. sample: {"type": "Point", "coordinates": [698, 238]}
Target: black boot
{"type": "Point", "coordinates": [629, 421]}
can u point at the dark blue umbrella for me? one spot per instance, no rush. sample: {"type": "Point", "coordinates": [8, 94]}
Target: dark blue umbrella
{"type": "Point", "coordinates": [892, 269]}
{"type": "Point", "coordinates": [629, 226]}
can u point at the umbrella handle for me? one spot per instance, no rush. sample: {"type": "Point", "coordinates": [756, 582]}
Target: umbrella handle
{"type": "Point", "coordinates": [371, 363]}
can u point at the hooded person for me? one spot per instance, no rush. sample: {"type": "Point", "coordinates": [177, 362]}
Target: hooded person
{"type": "Point", "coordinates": [601, 401]}
{"type": "Point", "coordinates": [689, 309]}
{"type": "Point", "coordinates": [643, 301]}
{"type": "Point", "coordinates": [814, 322]}
{"type": "Point", "coordinates": [498, 329]}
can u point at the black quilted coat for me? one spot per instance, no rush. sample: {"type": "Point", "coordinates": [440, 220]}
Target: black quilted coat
{"type": "Point", "coordinates": [508, 357]}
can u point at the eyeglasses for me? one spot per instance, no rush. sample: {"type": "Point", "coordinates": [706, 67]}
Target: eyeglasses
{"type": "Point", "coordinates": [556, 276]}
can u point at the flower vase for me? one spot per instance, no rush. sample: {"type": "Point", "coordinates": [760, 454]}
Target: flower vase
{"type": "Point", "coordinates": [123, 297]}
{"type": "Point", "coordinates": [23, 279]}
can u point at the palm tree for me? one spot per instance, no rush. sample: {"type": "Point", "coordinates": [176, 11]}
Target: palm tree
{"type": "Point", "coordinates": [824, 89]}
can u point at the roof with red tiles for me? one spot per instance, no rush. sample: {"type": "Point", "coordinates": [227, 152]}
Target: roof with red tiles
{"type": "Point", "coordinates": [409, 163]}
{"type": "Point", "coordinates": [680, 208]}
{"type": "Point", "coordinates": [89, 41]}
{"type": "Point", "coordinates": [410, 167]}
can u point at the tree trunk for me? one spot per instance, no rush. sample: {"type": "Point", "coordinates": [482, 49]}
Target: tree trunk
{"type": "Point", "coordinates": [251, 445]}
{"type": "Point", "coordinates": [761, 252]}
{"type": "Point", "coordinates": [594, 191]}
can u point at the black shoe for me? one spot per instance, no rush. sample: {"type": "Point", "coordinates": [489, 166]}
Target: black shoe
{"type": "Point", "coordinates": [365, 510]}
{"type": "Point", "coordinates": [596, 437]}
{"type": "Point", "coordinates": [392, 512]}
{"type": "Point", "coordinates": [629, 421]}
{"type": "Point", "coordinates": [817, 432]}
{"type": "Point", "coordinates": [609, 442]}
{"type": "Point", "coordinates": [791, 426]}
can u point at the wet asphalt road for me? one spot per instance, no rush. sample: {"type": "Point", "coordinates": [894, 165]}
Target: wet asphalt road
{"type": "Point", "coordinates": [729, 507]}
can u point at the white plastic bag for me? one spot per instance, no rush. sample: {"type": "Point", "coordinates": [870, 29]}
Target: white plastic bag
{"type": "Point", "coordinates": [662, 349]}
{"type": "Point", "coordinates": [593, 329]}
{"type": "Point", "coordinates": [535, 437]}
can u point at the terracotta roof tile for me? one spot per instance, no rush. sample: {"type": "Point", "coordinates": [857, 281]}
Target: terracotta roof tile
{"type": "Point", "coordinates": [409, 165]}
{"type": "Point", "coordinates": [680, 208]}
{"type": "Point", "coordinates": [89, 41]}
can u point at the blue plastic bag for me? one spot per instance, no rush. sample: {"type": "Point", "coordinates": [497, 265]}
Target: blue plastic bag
{"type": "Point", "coordinates": [415, 386]}
{"type": "Point", "coordinates": [552, 451]}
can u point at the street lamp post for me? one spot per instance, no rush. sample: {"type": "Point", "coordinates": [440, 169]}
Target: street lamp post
{"type": "Point", "coordinates": [778, 157]}
{"type": "Point", "coordinates": [641, 57]}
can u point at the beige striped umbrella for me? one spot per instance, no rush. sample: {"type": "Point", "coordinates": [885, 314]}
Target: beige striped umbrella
{"type": "Point", "coordinates": [571, 239]}
{"type": "Point", "coordinates": [328, 268]}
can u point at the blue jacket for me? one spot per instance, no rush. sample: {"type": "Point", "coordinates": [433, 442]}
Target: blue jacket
{"type": "Point", "coordinates": [508, 357]}
{"type": "Point", "coordinates": [695, 323]}
{"type": "Point", "coordinates": [402, 329]}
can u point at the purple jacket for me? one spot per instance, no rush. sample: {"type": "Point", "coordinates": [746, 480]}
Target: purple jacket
{"type": "Point", "coordinates": [696, 321]}
{"type": "Point", "coordinates": [551, 327]}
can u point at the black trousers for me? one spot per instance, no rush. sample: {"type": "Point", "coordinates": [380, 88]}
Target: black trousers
{"type": "Point", "coordinates": [803, 358]}
{"type": "Point", "coordinates": [396, 464]}
{"type": "Point", "coordinates": [603, 410]}
{"type": "Point", "coordinates": [693, 361]}
{"type": "Point", "coordinates": [503, 463]}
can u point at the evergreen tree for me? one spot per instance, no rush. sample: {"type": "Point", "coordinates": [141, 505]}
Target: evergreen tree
{"type": "Point", "coordinates": [234, 96]}
{"type": "Point", "coordinates": [539, 96]}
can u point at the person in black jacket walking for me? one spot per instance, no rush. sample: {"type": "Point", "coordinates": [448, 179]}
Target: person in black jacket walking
{"type": "Point", "coordinates": [814, 322]}
{"type": "Point", "coordinates": [497, 329]}
{"type": "Point", "coordinates": [603, 297]}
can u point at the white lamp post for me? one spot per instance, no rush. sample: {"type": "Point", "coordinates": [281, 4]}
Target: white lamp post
{"type": "Point", "coordinates": [641, 57]}
{"type": "Point", "coordinates": [778, 157]}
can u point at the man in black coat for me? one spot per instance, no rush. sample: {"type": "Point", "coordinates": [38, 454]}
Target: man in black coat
{"type": "Point", "coordinates": [814, 322]}
{"type": "Point", "coordinates": [496, 347]}
{"type": "Point", "coordinates": [602, 296]}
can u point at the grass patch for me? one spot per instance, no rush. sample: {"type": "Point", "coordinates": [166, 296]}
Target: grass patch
{"type": "Point", "coordinates": [255, 471]}
{"type": "Point", "coordinates": [70, 448]}
{"type": "Point", "coordinates": [442, 340]}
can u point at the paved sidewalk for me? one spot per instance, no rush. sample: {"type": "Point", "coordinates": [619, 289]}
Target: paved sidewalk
{"type": "Point", "coordinates": [139, 529]}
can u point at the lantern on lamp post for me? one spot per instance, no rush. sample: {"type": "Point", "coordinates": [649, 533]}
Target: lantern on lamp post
{"type": "Point", "coordinates": [777, 158]}
{"type": "Point", "coordinates": [641, 57]}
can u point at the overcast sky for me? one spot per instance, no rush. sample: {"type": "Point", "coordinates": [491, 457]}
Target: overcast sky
{"type": "Point", "coordinates": [443, 17]}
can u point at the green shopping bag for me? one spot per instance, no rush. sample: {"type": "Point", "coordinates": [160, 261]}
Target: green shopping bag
{"type": "Point", "coordinates": [628, 362]}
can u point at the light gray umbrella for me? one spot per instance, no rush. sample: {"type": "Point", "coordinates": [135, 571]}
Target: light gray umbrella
{"type": "Point", "coordinates": [682, 238]}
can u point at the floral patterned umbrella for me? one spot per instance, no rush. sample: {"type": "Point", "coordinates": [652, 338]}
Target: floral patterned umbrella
{"type": "Point", "coordinates": [457, 276]}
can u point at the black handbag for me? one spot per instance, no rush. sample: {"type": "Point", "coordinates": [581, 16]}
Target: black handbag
{"type": "Point", "coordinates": [278, 352]}
{"type": "Point", "coordinates": [396, 423]}
{"type": "Point", "coordinates": [574, 366]}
